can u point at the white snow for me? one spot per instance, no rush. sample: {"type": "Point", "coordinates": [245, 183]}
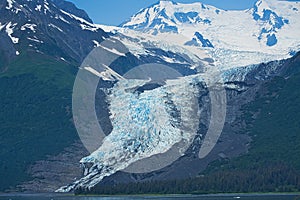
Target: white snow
{"type": "Point", "coordinates": [97, 44]}
{"type": "Point", "coordinates": [107, 28]}
{"type": "Point", "coordinates": [107, 74]}
{"type": "Point", "coordinates": [230, 31]}
{"type": "Point", "coordinates": [112, 50]}
{"type": "Point", "coordinates": [93, 71]}
{"type": "Point", "coordinates": [35, 40]}
{"type": "Point", "coordinates": [29, 26]}
{"type": "Point", "coordinates": [85, 25]}
{"type": "Point", "coordinates": [63, 19]}
{"type": "Point", "coordinates": [10, 4]}
{"type": "Point", "coordinates": [137, 42]}
{"type": "Point", "coordinates": [10, 31]}
{"type": "Point", "coordinates": [56, 27]}
{"type": "Point", "coordinates": [1, 26]}
{"type": "Point", "coordinates": [17, 10]}
{"type": "Point", "coordinates": [38, 8]}
{"type": "Point", "coordinates": [167, 59]}
{"type": "Point", "coordinates": [88, 27]}
{"type": "Point", "coordinates": [46, 8]}
{"type": "Point", "coordinates": [110, 74]}
{"type": "Point", "coordinates": [46, 3]}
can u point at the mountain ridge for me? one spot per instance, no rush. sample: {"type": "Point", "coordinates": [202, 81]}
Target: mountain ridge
{"type": "Point", "coordinates": [264, 27]}
{"type": "Point", "coordinates": [46, 27]}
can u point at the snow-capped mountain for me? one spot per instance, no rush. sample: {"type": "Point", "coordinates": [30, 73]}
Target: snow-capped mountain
{"type": "Point", "coordinates": [271, 26]}
{"type": "Point", "coordinates": [55, 27]}
{"type": "Point", "coordinates": [203, 43]}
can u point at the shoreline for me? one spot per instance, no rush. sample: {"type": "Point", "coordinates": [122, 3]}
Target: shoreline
{"type": "Point", "coordinates": [297, 194]}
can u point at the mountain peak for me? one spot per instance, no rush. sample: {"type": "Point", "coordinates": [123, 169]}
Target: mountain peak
{"type": "Point", "coordinates": [166, 15]}
{"type": "Point", "coordinates": [71, 8]}
{"type": "Point", "coordinates": [267, 22]}
{"type": "Point", "coordinates": [166, 2]}
{"type": "Point", "coordinates": [46, 26]}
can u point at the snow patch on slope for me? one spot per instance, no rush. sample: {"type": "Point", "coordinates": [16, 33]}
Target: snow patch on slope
{"type": "Point", "coordinates": [85, 25]}
{"type": "Point", "coordinates": [38, 8]}
{"type": "Point", "coordinates": [56, 27]}
{"type": "Point", "coordinates": [35, 40]}
{"type": "Point", "coordinates": [9, 4]}
{"type": "Point", "coordinates": [107, 74]}
{"type": "Point", "coordinates": [31, 27]}
{"type": "Point", "coordinates": [10, 30]}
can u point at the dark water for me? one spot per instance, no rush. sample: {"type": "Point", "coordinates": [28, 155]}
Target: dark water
{"type": "Point", "coordinates": [171, 197]}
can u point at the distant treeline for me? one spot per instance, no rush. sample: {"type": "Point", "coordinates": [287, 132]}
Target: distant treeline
{"type": "Point", "coordinates": [274, 178]}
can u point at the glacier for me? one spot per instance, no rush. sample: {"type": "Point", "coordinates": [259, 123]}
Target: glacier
{"type": "Point", "coordinates": [146, 125]}
{"type": "Point", "coordinates": [164, 120]}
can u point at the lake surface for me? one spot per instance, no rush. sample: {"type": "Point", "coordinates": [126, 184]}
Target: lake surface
{"type": "Point", "coordinates": [168, 197]}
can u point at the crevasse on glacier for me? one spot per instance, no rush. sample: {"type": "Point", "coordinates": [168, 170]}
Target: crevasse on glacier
{"type": "Point", "coordinates": [144, 124]}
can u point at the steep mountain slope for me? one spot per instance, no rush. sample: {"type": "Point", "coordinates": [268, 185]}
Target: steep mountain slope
{"type": "Point", "coordinates": [42, 44]}
{"type": "Point", "coordinates": [43, 26]}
